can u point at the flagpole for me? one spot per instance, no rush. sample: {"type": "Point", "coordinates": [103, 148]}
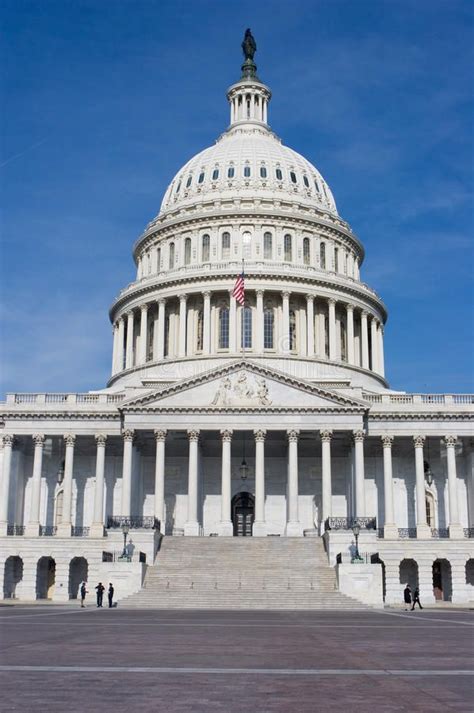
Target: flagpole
{"type": "Point", "coordinates": [242, 339]}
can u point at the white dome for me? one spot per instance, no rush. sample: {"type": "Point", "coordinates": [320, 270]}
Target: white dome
{"type": "Point", "coordinates": [248, 160]}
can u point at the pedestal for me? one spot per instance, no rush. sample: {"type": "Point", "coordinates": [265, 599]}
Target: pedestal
{"type": "Point", "coordinates": [226, 529]}
{"type": "Point", "coordinates": [191, 529]}
{"type": "Point", "coordinates": [3, 529]}
{"type": "Point", "coordinates": [97, 530]}
{"type": "Point", "coordinates": [390, 532]}
{"type": "Point", "coordinates": [423, 532]}
{"type": "Point", "coordinates": [294, 529]}
{"type": "Point", "coordinates": [64, 529]}
{"type": "Point", "coordinates": [259, 529]}
{"type": "Point", "coordinates": [456, 531]}
{"type": "Point", "coordinates": [32, 529]}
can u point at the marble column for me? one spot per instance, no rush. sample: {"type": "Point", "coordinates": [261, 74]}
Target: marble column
{"type": "Point", "coordinates": [159, 508]}
{"type": "Point", "coordinates": [455, 528]}
{"type": "Point", "coordinates": [97, 527]}
{"type": "Point", "coordinates": [259, 323]}
{"type": "Point", "coordinates": [359, 473]}
{"type": "Point", "coordinates": [350, 334]}
{"type": "Point", "coordinates": [423, 531]}
{"type": "Point", "coordinates": [115, 349]}
{"type": "Point", "coordinates": [259, 526]}
{"type": "Point", "coordinates": [159, 337]}
{"type": "Point", "coordinates": [143, 334]}
{"type": "Point", "coordinates": [206, 327]}
{"type": "Point", "coordinates": [232, 323]}
{"type": "Point", "coordinates": [365, 340]}
{"type": "Point", "coordinates": [285, 326]}
{"type": "Point", "coordinates": [374, 343]}
{"type": "Point", "coordinates": [121, 339]}
{"type": "Point", "coordinates": [381, 352]}
{"type": "Point", "coordinates": [332, 328]}
{"type": "Point", "coordinates": [310, 324]}
{"type": "Point", "coordinates": [129, 347]}
{"type": "Point", "coordinates": [32, 528]}
{"type": "Point", "coordinates": [8, 441]}
{"type": "Point", "coordinates": [390, 528]}
{"type": "Point", "coordinates": [182, 326]}
{"type": "Point", "coordinates": [65, 526]}
{"type": "Point", "coordinates": [226, 527]}
{"type": "Point", "coordinates": [326, 485]}
{"type": "Point", "coordinates": [127, 464]}
{"type": "Point", "coordinates": [293, 525]}
{"type": "Point", "coordinates": [191, 526]}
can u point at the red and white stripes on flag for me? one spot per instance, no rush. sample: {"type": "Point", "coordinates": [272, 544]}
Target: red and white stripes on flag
{"type": "Point", "coordinates": [239, 289]}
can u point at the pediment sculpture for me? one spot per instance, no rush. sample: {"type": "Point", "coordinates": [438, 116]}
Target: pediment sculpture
{"type": "Point", "coordinates": [241, 390]}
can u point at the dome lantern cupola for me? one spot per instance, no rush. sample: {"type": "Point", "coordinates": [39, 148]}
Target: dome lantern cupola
{"type": "Point", "coordinates": [248, 98]}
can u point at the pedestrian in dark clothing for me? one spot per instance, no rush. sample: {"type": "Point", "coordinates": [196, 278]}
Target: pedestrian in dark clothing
{"type": "Point", "coordinates": [416, 599]}
{"type": "Point", "coordinates": [110, 594]}
{"type": "Point", "coordinates": [83, 592]}
{"type": "Point", "coordinates": [407, 596]}
{"type": "Point", "coordinates": [100, 589]}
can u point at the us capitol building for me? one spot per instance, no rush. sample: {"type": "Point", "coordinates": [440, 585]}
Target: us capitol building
{"type": "Point", "coordinates": [269, 418]}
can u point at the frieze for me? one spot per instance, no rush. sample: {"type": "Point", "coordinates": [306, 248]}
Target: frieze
{"type": "Point", "coordinates": [238, 390]}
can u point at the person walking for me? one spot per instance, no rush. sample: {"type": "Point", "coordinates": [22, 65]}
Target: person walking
{"type": "Point", "coordinates": [110, 595]}
{"type": "Point", "coordinates": [416, 599]}
{"type": "Point", "coordinates": [100, 589]}
{"type": "Point", "coordinates": [82, 592]}
{"type": "Point", "coordinates": [407, 596]}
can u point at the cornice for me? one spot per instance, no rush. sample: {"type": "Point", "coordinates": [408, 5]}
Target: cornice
{"type": "Point", "coordinates": [61, 415]}
{"type": "Point", "coordinates": [421, 416]}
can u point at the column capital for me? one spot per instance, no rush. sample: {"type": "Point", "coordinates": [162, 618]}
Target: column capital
{"type": "Point", "coordinates": [358, 435]}
{"type": "Point", "coordinates": [69, 439]}
{"type": "Point", "coordinates": [100, 439]}
{"type": "Point", "coordinates": [419, 441]}
{"type": "Point", "coordinates": [260, 435]}
{"type": "Point", "coordinates": [364, 313]}
{"type": "Point", "coordinates": [332, 300]}
{"type": "Point", "coordinates": [292, 435]}
{"type": "Point", "coordinates": [326, 435]}
{"type": "Point", "coordinates": [226, 435]}
{"type": "Point", "coordinates": [128, 434]}
{"type": "Point", "coordinates": [206, 294]}
{"type": "Point", "coordinates": [259, 293]}
{"type": "Point", "coordinates": [130, 313]}
{"type": "Point", "coordinates": [193, 435]}
{"type": "Point", "coordinates": [160, 434]}
{"type": "Point", "coordinates": [38, 439]}
{"type": "Point", "coordinates": [387, 441]}
{"type": "Point", "coordinates": [183, 298]}
{"type": "Point", "coordinates": [8, 439]}
{"type": "Point", "coordinates": [161, 300]}
{"type": "Point", "coordinates": [349, 307]}
{"type": "Point", "coordinates": [450, 441]}
{"type": "Point", "coordinates": [309, 297]}
{"type": "Point", "coordinates": [285, 294]}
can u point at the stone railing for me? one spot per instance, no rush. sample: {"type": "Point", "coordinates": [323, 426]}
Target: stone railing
{"type": "Point", "coordinates": [347, 523]}
{"type": "Point", "coordinates": [13, 530]}
{"type": "Point", "coordinates": [134, 522]}
{"type": "Point", "coordinates": [64, 399]}
{"type": "Point", "coordinates": [419, 399]}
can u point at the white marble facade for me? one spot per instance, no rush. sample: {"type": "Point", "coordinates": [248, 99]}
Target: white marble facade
{"type": "Point", "coordinates": [292, 381]}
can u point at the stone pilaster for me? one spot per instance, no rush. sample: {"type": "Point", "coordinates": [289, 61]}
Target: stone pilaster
{"type": "Point", "coordinates": [422, 529]}
{"type": "Point", "coordinates": [259, 526]}
{"type": "Point", "coordinates": [359, 472]}
{"type": "Point", "coordinates": [97, 527]}
{"type": "Point", "coordinates": [293, 526]}
{"type": "Point", "coordinates": [191, 526]}
{"type": "Point", "coordinates": [159, 509]}
{"type": "Point", "coordinates": [8, 442]}
{"type": "Point", "coordinates": [455, 527]}
{"type": "Point", "coordinates": [128, 438]}
{"type": "Point", "coordinates": [65, 526]}
{"type": "Point", "coordinates": [225, 526]}
{"type": "Point", "coordinates": [390, 528]}
{"type": "Point", "coordinates": [326, 485]}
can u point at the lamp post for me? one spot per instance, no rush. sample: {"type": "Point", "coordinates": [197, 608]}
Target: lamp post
{"type": "Point", "coordinates": [356, 531]}
{"type": "Point", "coordinates": [125, 530]}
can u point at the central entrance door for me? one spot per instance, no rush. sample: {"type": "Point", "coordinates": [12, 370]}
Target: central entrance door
{"type": "Point", "coordinates": [243, 514]}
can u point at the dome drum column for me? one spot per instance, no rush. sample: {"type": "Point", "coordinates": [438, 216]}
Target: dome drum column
{"type": "Point", "coordinates": [310, 325]}
{"type": "Point", "coordinates": [350, 334]}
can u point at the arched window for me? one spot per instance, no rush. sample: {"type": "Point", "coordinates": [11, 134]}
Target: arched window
{"type": "Point", "coordinates": [316, 185]}
{"type": "Point", "coordinates": [158, 259]}
{"type": "Point", "coordinates": [292, 331]}
{"type": "Point", "coordinates": [230, 172]}
{"type": "Point", "coordinates": [279, 174]}
{"type": "Point", "coordinates": [187, 251]}
{"type": "Point", "coordinates": [206, 242]}
{"type": "Point", "coordinates": [263, 172]}
{"type": "Point", "coordinates": [189, 181]}
{"type": "Point", "coordinates": [246, 328]}
{"type": "Point", "coordinates": [267, 246]}
{"type": "Point", "coordinates": [343, 336]}
{"type": "Point", "coordinates": [224, 328]}
{"type": "Point", "coordinates": [215, 174]}
{"type": "Point", "coordinates": [268, 327]}
{"type": "Point", "coordinates": [293, 177]}
{"type": "Point", "coordinates": [247, 246]}
{"type": "Point", "coordinates": [199, 330]}
{"type": "Point", "coordinates": [306, 251]}
{"type": "Point", "coordinates": [247, 171]}
{"type": "Point", "coordinates": [322, 256]}
{"type": "Point", "coordinates": [336, 259]}
{"type": "Point", "coordinates": [225, 246]}
{"type": "Point", "coordinates": [287, 244]}
{"type": "Point", "coordinates": [178, 187]}
{"type": "Point", "coordinates": [167, 335]}
{"type": "Point", "coordinates": [305, 181]}
{"type": "Point", "coordinates": [201, 177]}
{"type": "Point", "coordinates": [171, 257]}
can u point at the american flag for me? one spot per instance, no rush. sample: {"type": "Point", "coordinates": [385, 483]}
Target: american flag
{"type": "Point", "coordinates": [239, 289]}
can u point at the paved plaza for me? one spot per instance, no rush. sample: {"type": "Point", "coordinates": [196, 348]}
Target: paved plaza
{"type": "Point", "coordinates": [58, 659]}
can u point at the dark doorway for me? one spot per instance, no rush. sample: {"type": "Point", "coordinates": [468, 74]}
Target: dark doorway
{"type": "Point", "coordinates": [243, 514]}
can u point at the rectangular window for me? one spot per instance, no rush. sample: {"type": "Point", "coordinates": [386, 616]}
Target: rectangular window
{"type": "Point", "coordinates": [287, 248]}
{"type": "Point", "coordinates": [225, 246]}
{"type": "Point", "coordinates": [246, 332]}
{"type": "Point", "coordinates": [267, 246]}
{"type": "Point", "coordinates": [268, 328]}
{"type": "Point", "coordinates": [206, 241]}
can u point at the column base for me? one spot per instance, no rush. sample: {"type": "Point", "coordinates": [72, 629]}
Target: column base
{"type": "Point", "coordinates": [225, 529]}
{"type": "Point", "coordinates": [32, 529]}
{"type": "Point", "coordinates": [456, 531]}
{"type": "Point", "coordinates": [390, 532]}
{"type": "Point", "coordinates": [64, 529]}
{"type": "Point", "coordinates": [423, 532]}
{"type": "Point", "coordinates": [259, 528]}
{"type": "Point", "coordinates": [294, 529]}
{"type": "Point", "coordinates": [97, 530]}
{"type": "Point", "coordinates": [191, 529]}
{"type": "Point", "coordinates": [3, 529]}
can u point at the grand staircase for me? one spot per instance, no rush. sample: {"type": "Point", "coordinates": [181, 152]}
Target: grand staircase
{"type": "Point", "coordinates": [240, 573]}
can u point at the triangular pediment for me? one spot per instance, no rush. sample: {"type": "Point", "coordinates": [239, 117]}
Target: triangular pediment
{"type": "Point", "coordinates": [243, 385]}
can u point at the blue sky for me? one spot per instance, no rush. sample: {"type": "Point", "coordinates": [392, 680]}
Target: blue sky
{"type": "Point", "coordinates": [106, 99]}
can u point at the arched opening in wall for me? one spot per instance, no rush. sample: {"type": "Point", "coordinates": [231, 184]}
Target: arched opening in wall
{"type": "Point", "coordinates": [187, 251]}
{"type": "Point", "coordinates": [267, 246]}
{"type": "Point", "coordinates": [470, 579]}
{"type": "Point", "coordinates": [442, 581]}
{"type": "Point", "coordinates": [292, 331]}
{"type": "Point", "coordinates": [288, 248]}
{"type": "Point", "coordinates": [171, 256]}
{"type": "Point", "coordinates": [225, 238]}
{"type": "Point", "coordinates": [167, 335]}
{"type": "Point", "coordinates": [58, 506]}
{"type": "Point", "coordinates": [375, 559]}
{"type": "Point", "coordinates": [77, 573]}
{"type": "Point", "coordinates": [199, 330]}
{"type": "Point", "coordinates": [306, 251]}
{"type": "Point", "coordinates": [45, 578]}
{"type": "Point", "coordinates": [322, 256]}
{"type": "Point", "coordinates": [150, 339]}
{"type": "Point", "coordinates": [13, 575]}
{"type": "Point", "coordinates": [409, 574]}
{"type": "Point", "coordinates": [343, 339]}
{"type": "Point", "coordinates": [243, 514]}
{"type": "Point", "coordinates": [247, 246]}
{"type": "Point", "coordinates": [430, 509]}
{"type": "Point", "coordinates": [206, 245]}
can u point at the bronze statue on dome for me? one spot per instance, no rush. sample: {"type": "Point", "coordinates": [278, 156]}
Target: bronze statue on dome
{"type": "Point", "coordinates": [249, 46]}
